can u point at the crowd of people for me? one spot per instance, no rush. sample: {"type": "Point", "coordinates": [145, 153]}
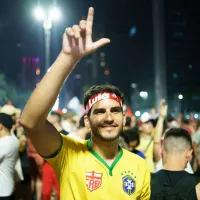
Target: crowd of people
{"type": "Point", "coordinates": [106, 153]}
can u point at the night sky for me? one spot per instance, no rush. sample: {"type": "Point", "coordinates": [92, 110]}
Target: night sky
{"type": "Point", "coordinates": [129, 57]}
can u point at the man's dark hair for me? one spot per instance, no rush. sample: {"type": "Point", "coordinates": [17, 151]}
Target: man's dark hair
{"type": "Point", "coordinates": [81, 122]}
{"type": "Point", "coordinates": [102, 88]}
{"type": "Point", "coordinates": [178, 139]}
{"type": "Point", "coordinates": [128, 121]}
{"type": "Point", "coordinates": [6, 121]}
{"type": "Point", "coordinates": [132, 134]}
{"type": "Point", "coordinates": [169, 118]}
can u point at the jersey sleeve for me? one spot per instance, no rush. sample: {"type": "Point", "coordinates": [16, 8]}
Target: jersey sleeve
{"type": "Point", "coordinates": [68, 148]}
{"type": "Point", "coordinates": [146, 191]}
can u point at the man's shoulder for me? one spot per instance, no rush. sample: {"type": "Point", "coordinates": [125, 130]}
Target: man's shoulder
{"type": "Point", "coordinates": [180, 175]}
{"type": "Point", "coordinates": [72, 142]}
{"type": "Point", "coordinates": [9, 145]}
{"type": "Point", "coordinates": [164, 171]}
{"type": "Point", "coordinates": [10, 141]}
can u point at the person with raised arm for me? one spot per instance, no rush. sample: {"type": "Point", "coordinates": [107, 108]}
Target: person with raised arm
{"type": "Point", "coordinates": [97, 168]}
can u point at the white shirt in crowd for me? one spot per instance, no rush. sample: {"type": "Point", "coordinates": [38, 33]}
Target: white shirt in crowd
{"type": "Point", "coordinates": [9, 152]}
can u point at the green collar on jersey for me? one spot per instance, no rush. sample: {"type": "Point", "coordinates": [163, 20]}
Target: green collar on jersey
{"type": "Point", "coordinates": [110, 168]}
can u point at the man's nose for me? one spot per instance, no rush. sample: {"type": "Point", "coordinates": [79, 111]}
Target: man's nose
{"type": "Point", "coordinates": [109, 117]}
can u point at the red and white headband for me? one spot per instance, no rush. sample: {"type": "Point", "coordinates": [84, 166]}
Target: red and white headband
{"type": "Point", "coordinates": [102, 96]}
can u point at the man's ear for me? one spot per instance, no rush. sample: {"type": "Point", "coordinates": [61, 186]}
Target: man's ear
{"type": "Point", "coordinates": [87, 122]}
{"type": "Point", "coordinates": [161, 151]}
{"type": "Point", "coordinates": [189, 155]}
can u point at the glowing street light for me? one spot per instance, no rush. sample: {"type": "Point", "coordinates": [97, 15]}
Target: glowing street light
{"type": "Point", "coordinates": [39, 13]}
{"type": "Point", "coordinates": [196, 116]}
{"type": "Point", "coordinates": [53, 14]}
{"type": "Point", "coordinates": [180, 96]}
{"type": "Point", "coordinates": [144, 94]}
{"type": "Point", "coordinates": [133, 85]}
{"type": "Point", "coordinates": [137, 113]}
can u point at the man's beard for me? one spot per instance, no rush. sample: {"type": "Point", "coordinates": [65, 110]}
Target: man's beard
{"type": "Point", "coordinates": [96, 133]}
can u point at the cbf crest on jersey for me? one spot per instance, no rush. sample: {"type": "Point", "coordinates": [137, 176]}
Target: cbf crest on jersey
{"type": "Point", "coordinates": [93, 180]}
{"type": "Point", "coordinates": [128, 184]}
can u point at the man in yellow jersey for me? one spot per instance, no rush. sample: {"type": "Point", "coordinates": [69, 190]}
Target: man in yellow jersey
{"type": "Point", "coordinates": [97, 168]}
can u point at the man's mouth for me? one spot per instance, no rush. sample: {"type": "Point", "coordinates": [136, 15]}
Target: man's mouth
{"type": "Point", "coordinates": [109, 126]}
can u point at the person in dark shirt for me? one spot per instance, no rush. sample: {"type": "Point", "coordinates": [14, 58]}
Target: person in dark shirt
{"type": "Point", "coordinates": [176, 152]}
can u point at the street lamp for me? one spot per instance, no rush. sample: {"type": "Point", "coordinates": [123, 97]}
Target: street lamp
{"type": "Point", "coordinates": [137, 113]}
{"type": "Point", "coordinates": [144, 94]}
{"type": "Point", "coordinates": [47, 17]}
{"type": "Point", "coordinates": [180, 96]}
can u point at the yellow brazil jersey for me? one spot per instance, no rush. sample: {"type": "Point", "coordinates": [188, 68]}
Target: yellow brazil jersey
{"type": "Point", "coordinates": [83, 174]}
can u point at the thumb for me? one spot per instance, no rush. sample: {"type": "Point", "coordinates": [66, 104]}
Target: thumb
{"type": "Point", "coordinates": [100, 43]}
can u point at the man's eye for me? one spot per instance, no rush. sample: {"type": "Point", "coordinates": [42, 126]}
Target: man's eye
{"type": "Point", "coordinates": [100, 112]}
{"type": "Point", "coordinates": [116, 110]}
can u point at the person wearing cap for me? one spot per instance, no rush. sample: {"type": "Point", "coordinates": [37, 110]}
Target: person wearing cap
{"type": "Point", "coordinates": [9, 148]}
{"type": "Point", "coordinates": [98, 168]}
{"type": "Point", "coordinates": [145, 125]}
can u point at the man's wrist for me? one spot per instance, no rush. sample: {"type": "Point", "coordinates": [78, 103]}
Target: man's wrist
{"type": "Point", "coordinates": [73, 59]}
{"type": "Point", "coordinates": [161, 117]}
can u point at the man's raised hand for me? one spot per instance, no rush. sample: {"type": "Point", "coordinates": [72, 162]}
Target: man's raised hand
{"type": "Point", "coordinates": [163, 108]}
{"type": "Point", "coordinates": [77, 40]}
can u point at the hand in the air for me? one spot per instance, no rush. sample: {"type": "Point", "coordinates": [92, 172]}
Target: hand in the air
{"type": "Point", "coordinates": [163, 108]}
{"type": "Point", "coordinates": [77, 41]}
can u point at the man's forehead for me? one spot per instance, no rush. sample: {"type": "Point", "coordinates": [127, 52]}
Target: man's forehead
{"type": "Point", "coordinates": [106, 103]}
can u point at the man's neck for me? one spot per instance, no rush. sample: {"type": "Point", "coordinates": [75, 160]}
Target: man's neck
{"type": "Point", "coordinates": [4, 134]}
{"type": "Point", "coordinates": [108, 150]}
{"type": "Point", "coordinates": [174, 163]}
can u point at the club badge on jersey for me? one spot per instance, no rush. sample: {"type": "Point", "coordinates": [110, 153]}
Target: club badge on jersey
{"type": "Point", "coordinates": [93, 180]}
{"type": "Point", "coordinates": [128, 184]}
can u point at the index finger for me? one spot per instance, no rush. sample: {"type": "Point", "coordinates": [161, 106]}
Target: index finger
{"type": "Point", "coordinates": [90, 18]}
